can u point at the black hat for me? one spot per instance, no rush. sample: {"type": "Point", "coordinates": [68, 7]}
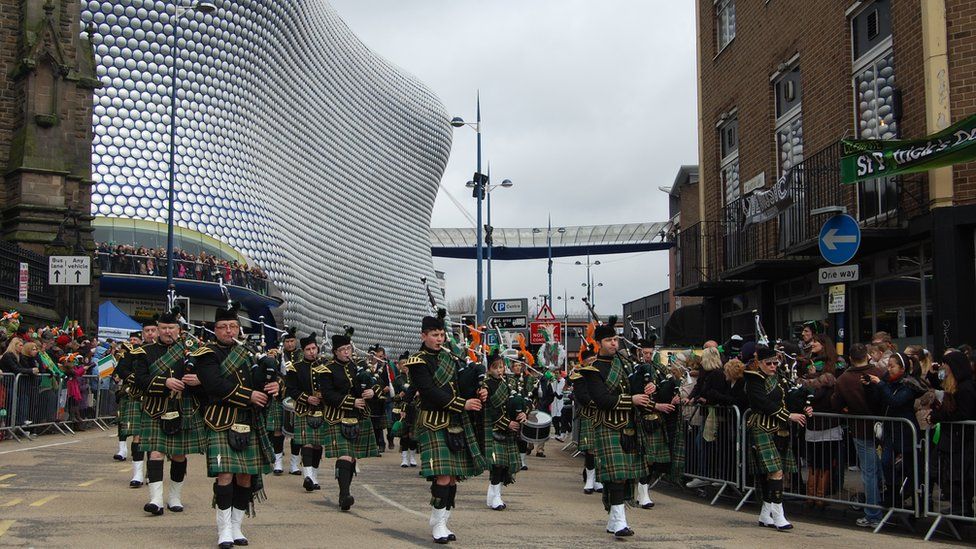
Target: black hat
{"type": "Point", "coordinates": [588, 353]}
{"type": "Point", "coordinates": [376, 348]}
{"type": "Point", "coordinates": [604, 331]}
{"type": "Point", "coordinates": [135, 334]}
{"type": "Point", "coordinates": [227, 314]}
{"type": "Point", "coordinates": [291, 333]}
{"type": "Point", "coordinates": [306, 341]}
{"type": "Point", "coordinates": [338, 340]}
{"type": "Point", "coordinates": [404, 355]}
{"type": "Point", "coordinates": [764, 353]}
{"type": "Point", "coordinates": [151, 321]}
{"type": "Point", "coordinates": [495, 355]}
{"type": "Point", "coordinates": [647, 342]}
{"type": "Point", "coordinates": [171, 316]}
{"type": "Point", "coordinates": [434, 323]}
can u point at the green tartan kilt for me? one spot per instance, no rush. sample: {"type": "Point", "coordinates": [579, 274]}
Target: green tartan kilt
{"type": "Point", "coordinates": [503, 453]}
{"type": "Point", "coordinates": [587, 436]}
{"type": "Point", "coordinates": [336, 445]}
{"type": "Point", "coordinates": [191, 440]}
{"type": "Point", "coordinates": [130, 417]}
{"type": "Point", "coordinates": [612, 463]}
{"type": "Point", "coordinates": [274, 417]}
{"type": "Point", "coordinates": [655, 443]}
{"type": "Point", "coordinates": [675, 428]}
{"type": "Point", "coordinates": [437, 459]}
{"type": "Point", "coordinates": [256, 459]}
{"type": "Point", "coordinates": [306, 435]}
{"type": "Point", "coordinates": [766, 458]}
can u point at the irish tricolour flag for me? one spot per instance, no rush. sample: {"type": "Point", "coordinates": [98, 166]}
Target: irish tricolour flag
{"type": "Point", "coordinates": [105, 366]}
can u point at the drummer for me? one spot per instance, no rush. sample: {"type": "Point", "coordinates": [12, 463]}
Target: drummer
{"type": "Point", "coordinates": [504, 414]}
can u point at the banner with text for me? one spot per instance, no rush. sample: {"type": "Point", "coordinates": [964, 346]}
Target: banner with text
{"type": "Point", "coordinates": [761, 206]}
{"type": "Point", "coordinates": [864, 159]}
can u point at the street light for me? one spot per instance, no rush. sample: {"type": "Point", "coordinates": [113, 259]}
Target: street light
{"type": "Point", "coordinates": [489, 229]}
{"type": "Point", "coordinates": [205, 8]}
{"type": "Point", "coordinates": [477, 185]}
{"type": "Point", "coordinates": [589, 278]}
{"type": "Point", "coordinates": [560, 230]}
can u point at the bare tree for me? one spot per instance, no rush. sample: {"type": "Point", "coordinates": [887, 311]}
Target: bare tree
{"type": "Point", "coordinates": [462, 305]}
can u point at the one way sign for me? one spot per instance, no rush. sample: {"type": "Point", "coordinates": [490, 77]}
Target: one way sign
{"type": "Point", "coordinates": [840, 238]}
{"type": "Point", "coordinates": [69, 270]}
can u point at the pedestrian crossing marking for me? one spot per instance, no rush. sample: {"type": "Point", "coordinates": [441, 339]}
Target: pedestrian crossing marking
{"type": "Point", "coordinates": [5, 525]}
{"type": "Point", "coordinates": [42, 501]}
{"type": "Point", "coordinates": [88, 483]}
{"type": "Point", "coordinates": [7, 476]}
{"type": "Point", "coordinates": [12, 502]}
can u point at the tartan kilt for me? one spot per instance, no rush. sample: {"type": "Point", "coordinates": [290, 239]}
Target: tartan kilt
{"type": "Point", "coordinates": [191, 440]}
{"type": "Point", "coordinates": [587, 436]}
{"type": "Point", "coordinates": [437, 459]}
{"type": "Point", "coordinates": [503, 454]}
{"type": "Point", "coordinates": [655, 444]}
{"type": "Point", "coordinates": [766, 458]}
{"type": "Point", "coordinates": [275, 413]}
{"type": "Point", "coordinates": [612, 463]}
{"type": "Point", "coordinates": [336, 445]}
{"type": "Point", "coordinates": [256, 459]}
{"type": "Point", "coordinates": [675, 428]}
{"type": "Point", "coordinates": [306, 435]}
{"type": "Point", "coordinates": [129, 417]}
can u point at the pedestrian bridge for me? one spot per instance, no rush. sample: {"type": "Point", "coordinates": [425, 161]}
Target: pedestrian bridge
{"type": "Point", "coordinates": [532, 242]}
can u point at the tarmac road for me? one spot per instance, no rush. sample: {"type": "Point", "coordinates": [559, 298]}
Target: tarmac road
{"type": "Point", "coordinates": [61, 491]}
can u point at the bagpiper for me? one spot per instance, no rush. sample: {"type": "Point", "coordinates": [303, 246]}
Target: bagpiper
{"type": "Point", "coordinates": [130, 400]}
{"type": "Point", "coordinates": [448, 449]}
{"type": "Point", "coordinates": [651, 420]}
{"type": "Point", "coordinates": [293, 354]}
{"type": "Point", "coordinates": [405, 410]}
{"type": "Point", "coordinates": [275, 410]}
{"type": "Point", "coordinates": [505, 412]}
{"type": "Point", "coordinates": [300, 385]}
{"type": "Point", "coordinates": [618, 457]}
{"type": "Point", "coordinates": [377, 366]}
{"type": "Point", "coordinates": [521, 383]}
{"type": "Point", "coordinates": [238, 449]}
{"type": "Point", "coordinates": [348, 431]}
{"type": "Point", "coordinates": [584, 409]}
{"type": "Point", "coordinates": [171, 425]}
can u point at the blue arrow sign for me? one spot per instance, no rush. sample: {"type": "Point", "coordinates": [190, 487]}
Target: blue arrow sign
{"type": "Point", "coordinates": [840, 237]}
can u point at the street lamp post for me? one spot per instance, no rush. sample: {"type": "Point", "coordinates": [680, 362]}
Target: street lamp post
{"type": "Point", "coordinates": [180, 11]}
{"type": "Point", "coordinates": [560, 230]}
{"type": "Point", "coordinates": [589, 278]}
{"type": "Point", "coordinates": [478, 186]}
{"type": "Point", "coordinates": [490, 229]}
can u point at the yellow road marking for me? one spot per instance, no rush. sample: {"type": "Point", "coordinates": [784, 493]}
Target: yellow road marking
{"type": "Point", "coordinates": [8, 475]}
{"type": "Point", "coordinates": [125, 469]}
{"type": "Point", "coordinates": [4, 486]}
{"type": "Point", "coordinates": [5, 525]}
{"type": "Point", "coordinates": [42, 501]}
{"type": "Point", "coordinates": [12, 502]}
{"type": "Point", "coordinates": [89, 482]}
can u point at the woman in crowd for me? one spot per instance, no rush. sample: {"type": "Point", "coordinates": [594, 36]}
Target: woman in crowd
{"type": "Point", "coordinates": [823, 437]}
{"type": "Point", "coordinates": [956, 449]}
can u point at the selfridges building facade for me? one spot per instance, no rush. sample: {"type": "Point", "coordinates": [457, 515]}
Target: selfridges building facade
{"type": "Point", "coordinates": [296, 145]}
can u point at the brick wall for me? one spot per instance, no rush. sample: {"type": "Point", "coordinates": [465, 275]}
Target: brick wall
{"type": "Point", "coordinates": [961, 17]}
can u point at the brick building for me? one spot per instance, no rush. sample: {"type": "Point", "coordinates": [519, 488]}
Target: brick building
{"type": "Point", "coordinates": [780, 84]}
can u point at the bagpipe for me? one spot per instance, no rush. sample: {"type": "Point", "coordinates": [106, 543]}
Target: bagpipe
{"type": "Point", "coordinates": [797, 396]}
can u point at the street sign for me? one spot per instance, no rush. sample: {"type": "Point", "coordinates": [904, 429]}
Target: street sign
{"type": "Point", "coordinates": [840, 237]}
{"type": "Point", "coordinates": [844, 273]}
{"type": "Point", "coordinates": [836, 302]}
{"type": "Point", "coordinates": [507, 306]}
{"type": "Point", "coordinates": [24, 278]}
{"type": "Point", "coordinates": [537, 336]}
{"type": "Point", "coordinates": [512, 322]}
{"type": "Point", "coordinates": [69, 270]}
{"type": "Point", "coordinates": [491, 339]}
{"type": "Point", "coordinates": [545, 313]}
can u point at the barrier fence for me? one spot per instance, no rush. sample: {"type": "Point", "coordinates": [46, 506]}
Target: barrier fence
{"type": "Point", "coordinates": [713, 445]}
{"type": "Point", "coordinates": [950, 475]}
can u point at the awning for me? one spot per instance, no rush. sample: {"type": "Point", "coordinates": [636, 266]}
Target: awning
{"type": "Point", "coordinates": [113, 323]}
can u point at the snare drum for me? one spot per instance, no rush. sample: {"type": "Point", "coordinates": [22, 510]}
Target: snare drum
{"type": "Point", "coordinates": [288, 417]}
{"type": "Point", "coordinates": [536, 428]}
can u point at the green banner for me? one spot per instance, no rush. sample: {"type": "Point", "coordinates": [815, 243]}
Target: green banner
{"type": "Point", "coordinates": [864, 159]}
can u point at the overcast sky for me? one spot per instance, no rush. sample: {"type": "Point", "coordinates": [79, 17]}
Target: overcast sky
{"type": "Point", "coordinates": [587, 106]}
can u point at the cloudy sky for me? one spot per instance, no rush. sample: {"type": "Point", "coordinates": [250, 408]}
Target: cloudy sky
{"type": "Point", "coordinates": [588, 106]}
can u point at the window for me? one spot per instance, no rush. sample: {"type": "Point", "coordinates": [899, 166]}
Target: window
{"type": "Point", "coordinates": [877, 100]}
{"type": "Point", "coordinates": [789, 151]}
{"type": "Point", "coordinates": [729, 135]}
{"type": "Point", "coordinates": [724, 22]}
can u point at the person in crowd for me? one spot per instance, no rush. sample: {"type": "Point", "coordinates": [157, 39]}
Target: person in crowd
{"type": "Point", "coordinates": [26, 391]}
{"type": "Point", "coordinates": [734, 376]}
{"type": "Point", "coordinates": [823, 437]}
{"type": "Point", "coordinates": [956, 444]}
{"type": "Point", "coordinates": [10, 362]}
{"type": "Point", "coordinates": [876, 356]}
{"type": "Point", "coordinates": [852, 395]}
{"type": "Point", "coordinates": [710, 389]}
{"type": "Point", "coordinates": [883, 341]}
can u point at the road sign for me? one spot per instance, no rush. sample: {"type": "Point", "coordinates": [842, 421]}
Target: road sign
{"type": "Point", "coordinates": [24, 278]}
{"type": "Point", "coordinates": [536, 335]}
{"type": "Point", "coordinates": [507, 322]}
{"type": "Point", "coordinates": [844, 273]}
{"type": "Point", "coordinates": [69, 270]}
{"type": "Point", "coordinates": [837, 294]}
{"type": "Point", "coordinates": [491, 339]}
{"type": "Point", "coordinates": [507, 306]}
{"type": "Point", "coordinates": [545, 313]}
{"type": "Point", "coordinates": [840, 237]}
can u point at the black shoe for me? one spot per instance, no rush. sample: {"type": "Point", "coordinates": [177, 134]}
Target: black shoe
{"type": "Point", "coordinates": [346, 503]}
{"type": "Point", "coordinates": [241, 541]}
{"type": "Point", "coordinates": [308, 484]}
{"type": "Point", "coordinates": [296, 473]}
{"type": "Point", "coordinates": [226, 545]}
{"type": "Point", "coordinates": [135, 484]}
{"type": "Point", "coordinates": [404, 466]}
{"type": "Point", "coordinates": [152, 509]}
{"type": "Point", "coordinates": [623, 533]}
{"type": "Point", "coordinates": [175, 508]}
{"type": "Point", "coordinates": [316, 486]}
{"type": "Point", "coordinates": [278, 472]}
{"type": "Point", "coordinates": [501, 507]}
{"type": "Point", "coordinates": [118, 457]}
{"type": "Point", "coordinates": [588, 491]}
{"type": "Point", "coordinates": [413, 464]}
{"type": "Point", "coordinates": [441, 541]}
{"type": "Point", "coordinates": [648, 505]}
{"type": "Point", "coordinates": [540, 454]}
{"type": "Point", "coordinates": [524, 468]}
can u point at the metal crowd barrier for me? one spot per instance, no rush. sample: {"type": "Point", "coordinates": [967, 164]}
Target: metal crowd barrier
{"type": "Point", "coordinates": [822, 476]}
{"type": "Point", "coordinates": [106, 405]}
{"type": "Point", "coordinates": [40, 402]}
{"type": "Point", "coordinates": [713, 445]}
{"type": "Point", "coordinates": [950, 475]}
{"type": "Point", "coordinates": [8, 406]}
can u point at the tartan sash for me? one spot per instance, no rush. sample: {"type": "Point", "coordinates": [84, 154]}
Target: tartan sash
{"type": "Point", "coordinates": [499, 397]}
{"type": "Point", "coordinates": [166, 364]}
{"type": "Point", "coordinates": [446, 369]}
{"type": "Point", "coordinates": [235, 363]}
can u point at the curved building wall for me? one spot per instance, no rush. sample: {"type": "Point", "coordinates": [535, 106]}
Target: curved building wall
{"type": "Point", "coordinates": [296, 144]}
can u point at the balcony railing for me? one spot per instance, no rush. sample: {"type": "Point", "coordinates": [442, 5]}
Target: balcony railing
{"type": "Point", "coordinates": [697, 253]}
{"type": "Point", "coordinates": [183, 269]}
{"type": "Point", "coordinates": [38, 291]}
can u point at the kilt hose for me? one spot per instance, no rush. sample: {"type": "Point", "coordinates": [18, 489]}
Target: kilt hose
{"type": "Point", "coordinates": [305, 434]}
{"type": "Point", "coordinates": [438, 459]}
{"type": "Point", "coordinates": [613, 464]}
{"type": "Point", "coordinates": [336, 445]}
{"type": "Point", "coordinates": [770, 452]}
{"type": "Point", "coordinates": [255, 459]}
{"type": "Point", "coordinates": [192, 439]}
{"type": "Point", "coordinates": [129, 416]}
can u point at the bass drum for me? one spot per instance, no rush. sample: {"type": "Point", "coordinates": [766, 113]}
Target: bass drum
{"type": "Point", "coordinates": [288, 417]}
{"type": "Point", "coordinates": [537, 427]}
